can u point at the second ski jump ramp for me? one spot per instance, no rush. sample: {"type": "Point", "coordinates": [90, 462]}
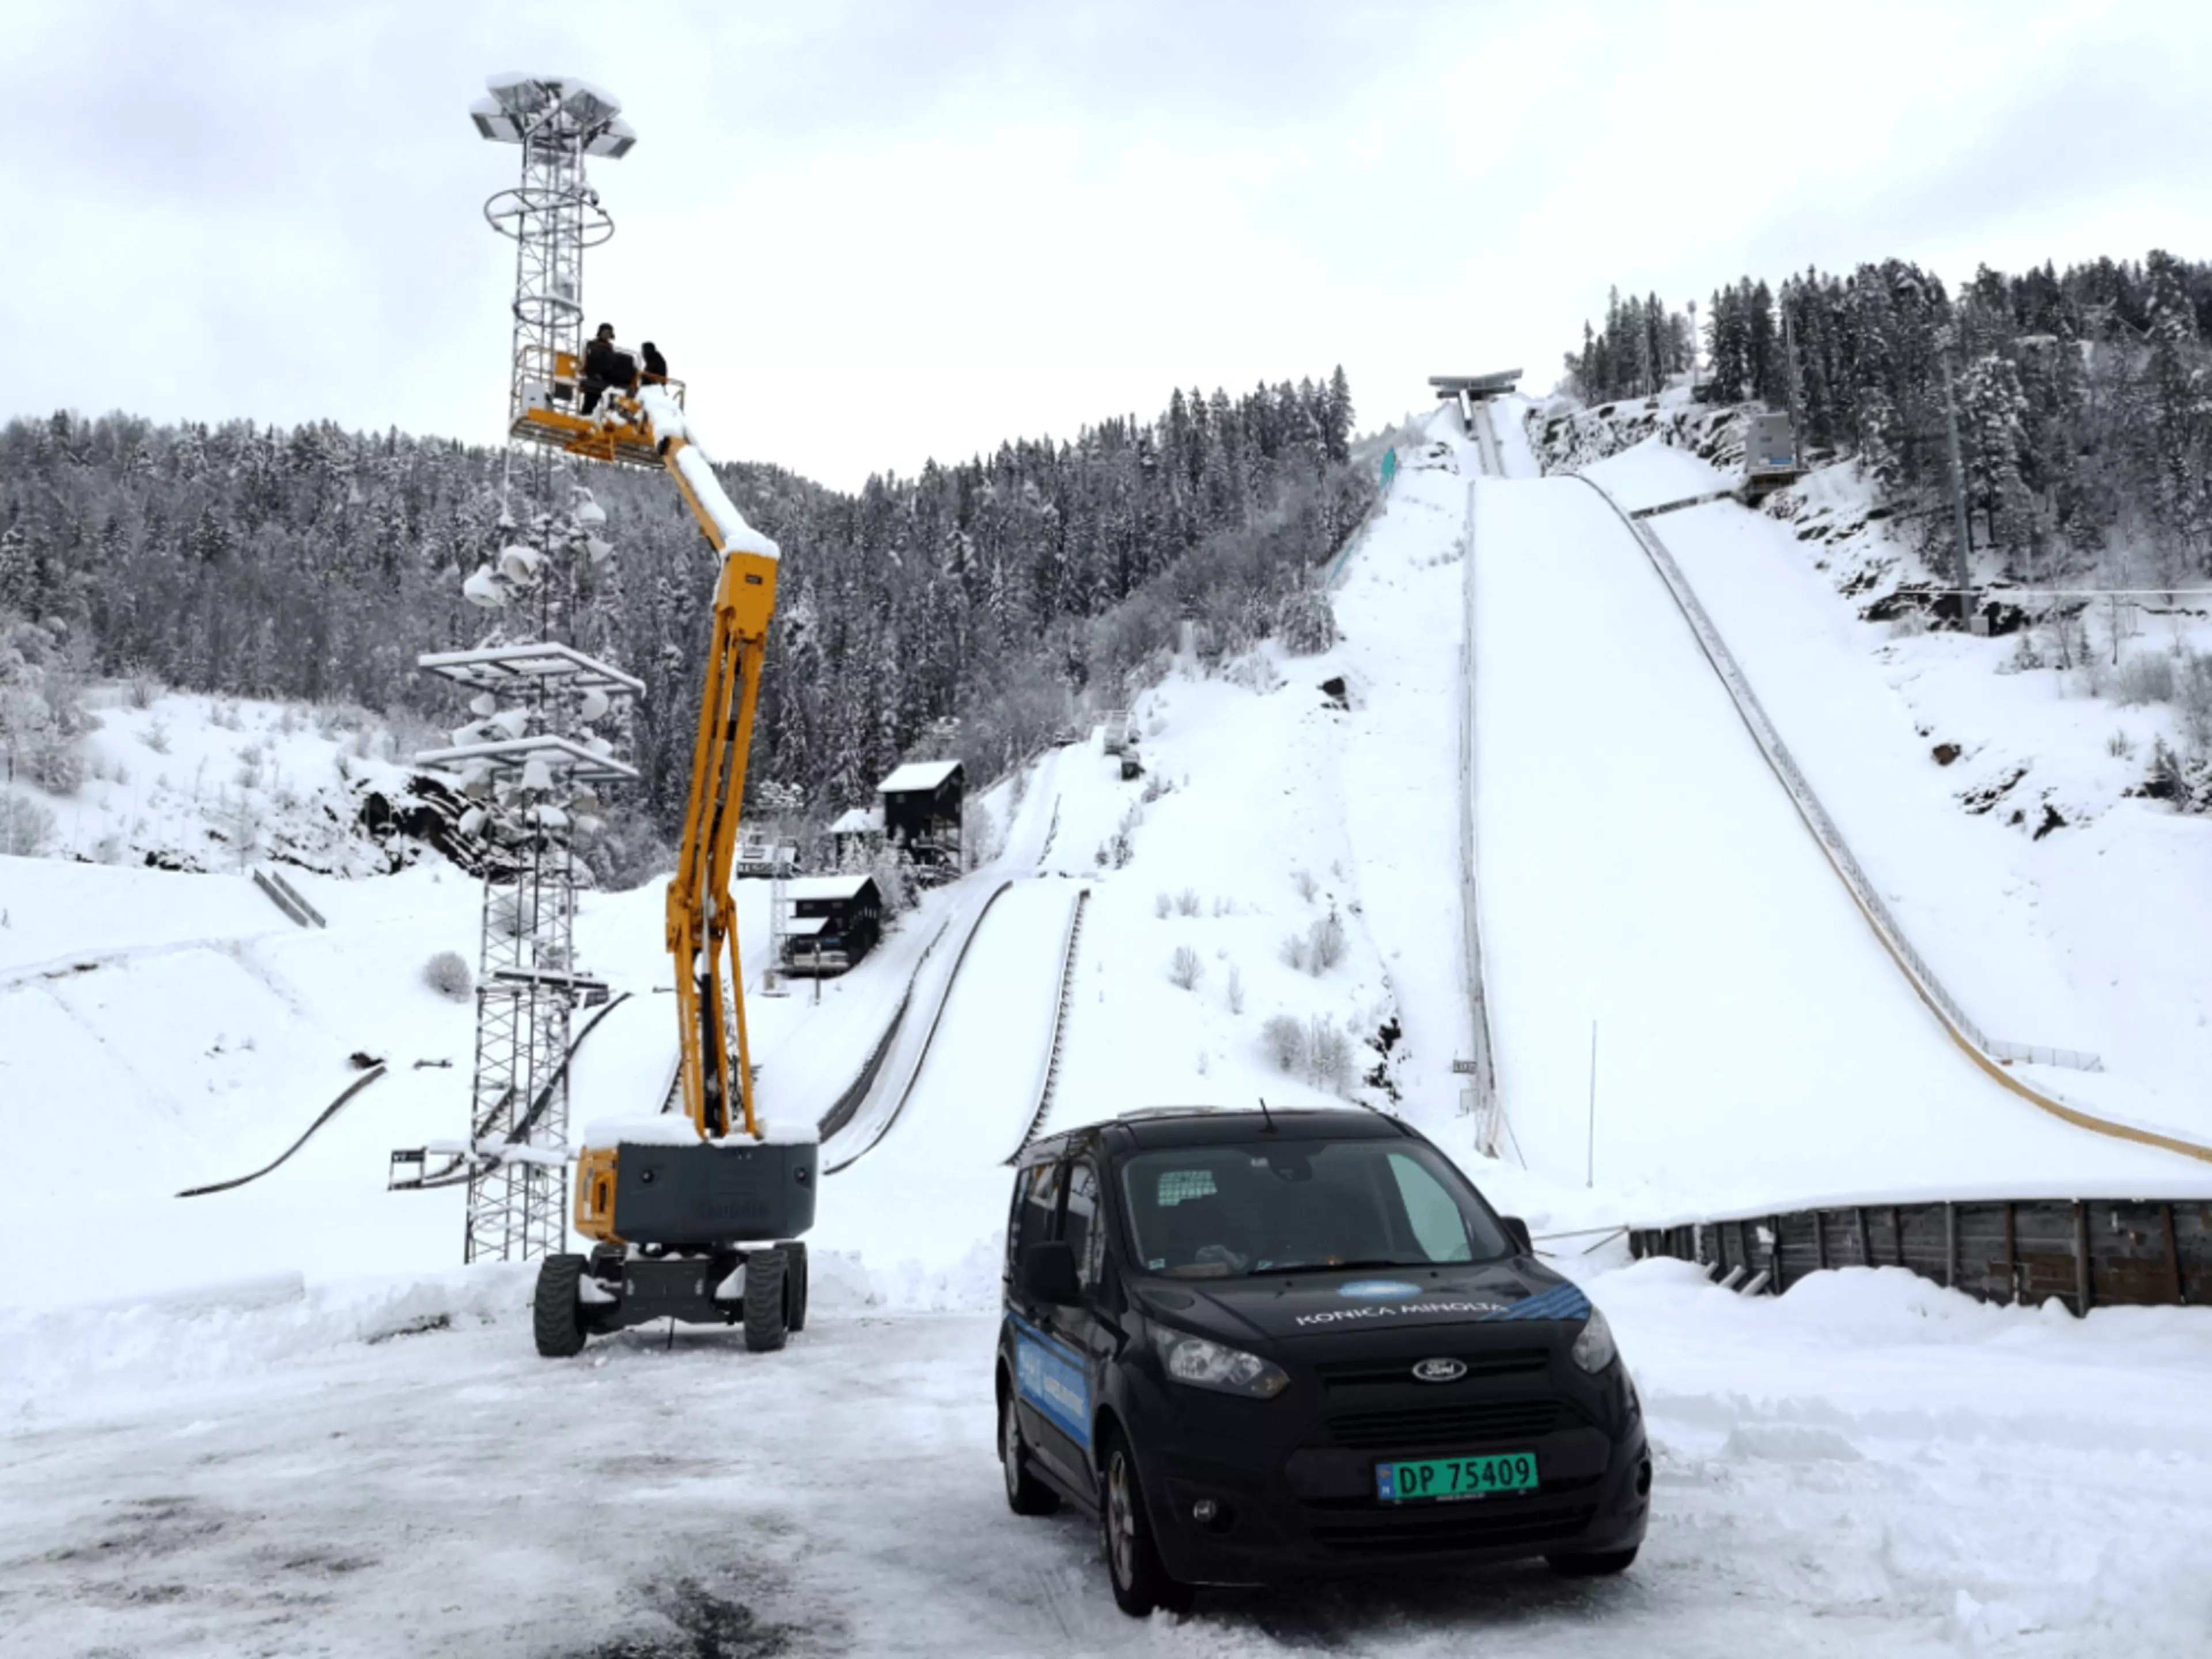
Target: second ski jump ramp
{"type": "Point", "coordinates": [1645, 876]}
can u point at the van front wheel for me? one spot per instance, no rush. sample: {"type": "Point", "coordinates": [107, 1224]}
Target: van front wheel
{"type": "Point", "coordinates": [1133, 1560]}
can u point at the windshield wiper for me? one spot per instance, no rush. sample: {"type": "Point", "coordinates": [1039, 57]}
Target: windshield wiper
{"type": "Point", "coordinates": [1335, 1266]}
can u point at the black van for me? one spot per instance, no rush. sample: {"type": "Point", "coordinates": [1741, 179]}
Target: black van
{"type": "Point", "coordinates": [1265, 1344]}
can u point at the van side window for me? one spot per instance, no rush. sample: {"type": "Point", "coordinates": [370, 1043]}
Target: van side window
{"type": "Point", "coordinates": [1036, 1196]}
{"type": "Point", "coordinates": [1086, 1238]}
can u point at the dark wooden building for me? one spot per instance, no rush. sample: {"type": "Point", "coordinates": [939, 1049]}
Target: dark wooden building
{"type": "Point", "coordinates": [922, 802]}
{"type": "Point", "coordinates": [835, 921]}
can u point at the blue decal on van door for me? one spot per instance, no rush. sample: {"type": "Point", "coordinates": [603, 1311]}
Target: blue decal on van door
{"type": "Point", "coordinates": [1053, 1381]}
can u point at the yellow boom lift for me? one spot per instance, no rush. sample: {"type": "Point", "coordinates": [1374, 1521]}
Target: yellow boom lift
{"type": "Point", "coordinates": [681, 1208]}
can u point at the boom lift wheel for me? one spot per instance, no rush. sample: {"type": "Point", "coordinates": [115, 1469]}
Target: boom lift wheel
{"type": "Point", "coordinates": [766, 1323]}
{"type": "Point", "coordinates": [556, 1311]}
{"type": "Point", "coordinates": [795, 1283]}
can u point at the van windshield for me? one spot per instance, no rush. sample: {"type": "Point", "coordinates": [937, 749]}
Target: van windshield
{"type": "Point", "coordinates": [1271, 1206]}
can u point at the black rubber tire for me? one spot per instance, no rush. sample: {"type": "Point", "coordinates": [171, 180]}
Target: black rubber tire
{"type": "Point", "coordinates": [556, 1309]}
{"type": "Point", "coordinates": [1025, 1493]}
{"type": "Point", "coordinates": [1134, 1567]}
{"type": "Point", "coordinates": [1602, 1564]}
{"type": "Point", "coordinates": [766, 1328]}
{"type": "Point", "coordinates": [795, 1285]}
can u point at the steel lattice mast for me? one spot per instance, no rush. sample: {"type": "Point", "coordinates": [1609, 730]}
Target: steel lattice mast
{"type": "Point", "coordinates": [531, 760]}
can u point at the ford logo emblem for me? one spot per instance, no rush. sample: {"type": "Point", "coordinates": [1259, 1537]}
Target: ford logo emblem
{"type": "Point", "coordinates": [1440, 1370]}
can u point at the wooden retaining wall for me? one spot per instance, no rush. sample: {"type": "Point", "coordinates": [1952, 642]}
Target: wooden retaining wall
{"type": "Point", "coordinates": [2089, 1253]}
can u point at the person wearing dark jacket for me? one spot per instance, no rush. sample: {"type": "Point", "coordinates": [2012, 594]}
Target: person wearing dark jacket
{"type": "Point", "coordinates": [656, 366]}
{"type": "Point", "coordinates": [605, 366]}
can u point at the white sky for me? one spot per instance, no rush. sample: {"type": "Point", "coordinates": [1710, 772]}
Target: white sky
{"type": "Point", "coordinates": [868, 233]}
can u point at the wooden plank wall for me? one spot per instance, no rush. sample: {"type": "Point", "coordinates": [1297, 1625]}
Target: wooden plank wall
{"type": "Point", "coordinates": [2088, 1253]}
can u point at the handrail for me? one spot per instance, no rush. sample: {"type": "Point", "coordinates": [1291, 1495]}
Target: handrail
{"type": "Point", "coordinates": [1051, 1083]}
{"type": "Point", "coordinates": [1993, 1057]}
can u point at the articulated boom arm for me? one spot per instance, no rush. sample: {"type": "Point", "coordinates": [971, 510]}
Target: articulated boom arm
{"type": "Point", "coordinates": [703, 922]}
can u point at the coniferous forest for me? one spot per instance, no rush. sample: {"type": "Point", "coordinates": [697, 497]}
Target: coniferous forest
{"type": "Point", "coordinates": [2083, 397]}
{"type": "Point", "coordinates": [970, 610]}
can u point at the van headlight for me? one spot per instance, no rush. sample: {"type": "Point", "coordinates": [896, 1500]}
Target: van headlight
{"type": "Point", "coordinates": [1205, 1364]}
{"type": "Point", "coordinates": [1594, 1349]}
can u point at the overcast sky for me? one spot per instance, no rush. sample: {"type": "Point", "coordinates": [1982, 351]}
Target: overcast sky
{"type": "Point", "coordinates": [868, 233]}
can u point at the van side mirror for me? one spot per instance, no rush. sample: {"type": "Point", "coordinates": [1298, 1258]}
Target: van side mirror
{"type": "Point", "coordinates": [1517, 1230]}
{"type": "Point", "coordinates": [1048, 1274]}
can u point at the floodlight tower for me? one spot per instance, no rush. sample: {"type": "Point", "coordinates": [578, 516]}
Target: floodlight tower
{"type": "Point", "coordinates": [551, 216]}
{"type": "Point", "coordinates": [531, 761]}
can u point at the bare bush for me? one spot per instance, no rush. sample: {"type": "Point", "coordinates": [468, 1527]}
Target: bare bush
{"type": "Point", "coordinates": [1304, 881]}
{"type": "Point", "coordinates": [26, 829]}
{"type": "Point", "coordinates": [1186, 969]}
{"type": "Point", "coordinates": [1236, 990]}
{"type": "Point", "coordinates": [2119, 746]}
{"type": "Point", "coordinates": [145, 687]}
{"type": "Point", "coordinates": [448, 975]}
{"type": "Point", "coordinates": [1294, 952]}
{"type": "Point", "coordinates": [1325, 943]}
{"type": "Point", "coordinates": [1186, 901]}
{"type": "Point", "coordinates": [1163, 906]}
{"type": "Point", "coordinates": [1285, 1040]}
{"type": "Point", "coordinates": [2192, 701]}
{"type": "Point", "coordinates": [2144, 677]}
{"type": "Point", "coordinates": [1328, 1054]}
{"type": "Point", "coordinates": [155, 737]}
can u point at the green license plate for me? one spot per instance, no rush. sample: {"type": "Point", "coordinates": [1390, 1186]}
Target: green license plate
{"type": "Point", "coordinates": [1432, 1479]}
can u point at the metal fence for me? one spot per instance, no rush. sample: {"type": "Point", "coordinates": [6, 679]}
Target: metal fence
{"type": "Point", "coordinates": [2087, 1253]}
{"type": "Point", "coordinates": [1050, 1085]}
{"type": "Point", "coordinates": [1490, 1128]}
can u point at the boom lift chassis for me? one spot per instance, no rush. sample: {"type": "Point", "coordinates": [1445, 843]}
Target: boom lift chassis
{"type": "Point", "coordinates": [671, 1213]}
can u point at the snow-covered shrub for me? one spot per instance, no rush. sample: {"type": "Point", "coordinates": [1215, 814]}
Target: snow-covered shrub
{"type": "Point", "coordinates": [2144, 677]}
{"type": "Point", "coordinates": [1328, 1054]}
{"type": "Point", "coordinates": [2119, 746]}
{"type": "Point", "coordinates": [1186, 901]}
{"type": "Point", "coordinates": [1305, 623]}
{"type": "Point", "coordinates": [155, 737]}
{"type": "Point", "coordinates": [448, 974]}
{"type": "Point", "coordinates": [1325, 943]}
{"type": "Point", "coordinates": [56, 764]}
{"type": "Point", "coordinates": [1185, 969]}
{"type": "Point", "coordinates": [1304, 881]}
{"type": "Point", "coordinates": [2192, 701]}
{"type": "Point", "coordinates": [145, 687]}
{"type": "Point", "coordinates": [1294, 953]}
{"type": "Point", "coordinates": [1236, 990]}
{"type": "Point", "coordinates": [1908, 625]}
{"type": "Point", "coordinates": [1284, 1039]}
{"type": "Point", "coordinates": [26, 829]}
{"type": "Point", "coordinates": [1163, 906]}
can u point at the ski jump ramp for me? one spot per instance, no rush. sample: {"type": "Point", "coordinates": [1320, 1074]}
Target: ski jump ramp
{"type": "Point", "coordinates": [1649, 891]}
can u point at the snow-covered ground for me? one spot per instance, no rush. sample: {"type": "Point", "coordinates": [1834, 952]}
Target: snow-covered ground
{"type": "Point", "coordinates": [308, 1459]}
{"type": "Point", "coordinates": [1869, 1465]}
{"type": "Point", "coordinates": [1649, 889]}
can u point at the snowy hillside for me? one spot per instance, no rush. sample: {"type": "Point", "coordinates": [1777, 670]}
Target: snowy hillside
{"type": "Point", "coordinates": [2004, 802]}
{"type": "Point", "coordinates": [180, 781]}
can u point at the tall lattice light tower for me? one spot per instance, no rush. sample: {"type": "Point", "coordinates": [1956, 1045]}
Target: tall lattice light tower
{"type": "Point", "coordinates": [532, 760]}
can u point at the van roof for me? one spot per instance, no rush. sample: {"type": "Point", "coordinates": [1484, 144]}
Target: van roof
{"type": "Point", "coordinates": [1197, 1125]}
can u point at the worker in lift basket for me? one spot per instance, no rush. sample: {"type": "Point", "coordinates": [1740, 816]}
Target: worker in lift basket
{"type": "Point", "coordinates": [656, 366]}
{"type": "Point", "coordinates": [604, 367]}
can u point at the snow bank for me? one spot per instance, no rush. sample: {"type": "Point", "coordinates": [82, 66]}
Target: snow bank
{"type": "Point", "coordinates": [82, 1360]}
